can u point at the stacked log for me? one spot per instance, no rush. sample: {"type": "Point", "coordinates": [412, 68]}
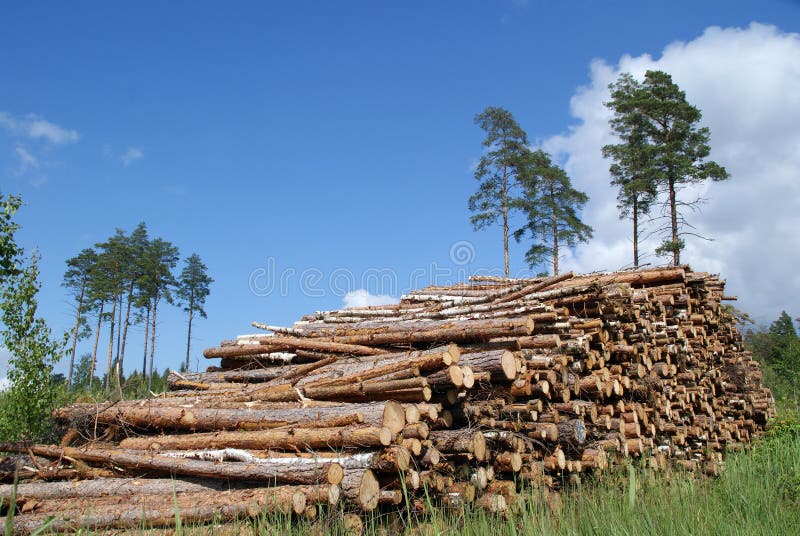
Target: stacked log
{"type": "Point", "coordinates": [463, 393]}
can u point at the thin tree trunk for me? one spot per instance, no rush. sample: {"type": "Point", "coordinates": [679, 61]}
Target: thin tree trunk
{"type": "Point", "coordinates": [75, 334]}
{"type": "Point", "coordinates": [107, 382]}
{"type": "Point", "coordinates": [119, 328]}
{"type": "Point", "coordinates": [555, 231]}
{"type": "Point", "coordinates": [146, 335]}
{"type": "Point", "coordinates": [636, 231]}
{"type": "Point", "coordinates": [673, 212]}
{"type": "Point", "coordinates": [505, 220]}
{"type": "Point", "coordinates": [152, 341]}
{"type": "Point", "coordinates": [189, 336]}
{"type": "Point", "coordinates": [125, 328]}
{"type": "Point", "coordinates": [96, 341]}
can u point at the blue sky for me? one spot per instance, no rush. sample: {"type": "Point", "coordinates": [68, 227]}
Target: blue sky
{"type": "Point", "coordinates": [331, 143]}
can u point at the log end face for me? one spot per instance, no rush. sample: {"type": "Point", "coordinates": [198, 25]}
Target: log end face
{"type": "Point", "coordinates": [385, 436]}
{"type": "Point", "coordinates": [335, 474]}
{"type": "Point", "coordinates": [394, 416]}
{"type": "Point", "coordinates": [369, 492]}
{"type": "Point", "coordinates": [508, 363]}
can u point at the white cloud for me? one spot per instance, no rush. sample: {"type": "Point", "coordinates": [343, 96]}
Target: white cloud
{"type": "Point", "coordinates": [4, 384]}
{"type": "Point", "coordinates": [34, 127]}
{"type": "Point", "coordinates": [746, 81]}
{"type": "Point", "coordinates": [131, 155]}
{"type": "Point", "coordinates": [362, 298]}
{"type": "Point", "coordinates": [26, 159]}
{"type": "Point", "coordinates": [38, 182]}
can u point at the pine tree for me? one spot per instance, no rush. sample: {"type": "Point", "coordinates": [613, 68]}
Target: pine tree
{"type": "Point", "coordinates": [192, 291]}
{"type": "Point", "coordinates": [76, 279]}
{"type": "Point", "coordinates": [637, 191]}
{"type": "Point", "coordinates": [110, 284]}
{"type": "Point", "coordinates": [498, 170]}
{"type": "Point", "coordinates": [551, 206]}
{"type": "Point", "coordinates": [677, 147]}
{"type": "Point", "coordinates": [160, 258]}
{"type": "Point", "coordinates": [135, 246]}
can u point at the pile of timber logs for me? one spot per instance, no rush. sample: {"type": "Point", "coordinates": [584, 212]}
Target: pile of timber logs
{"type": "Point", "coordinates": [462, 393]}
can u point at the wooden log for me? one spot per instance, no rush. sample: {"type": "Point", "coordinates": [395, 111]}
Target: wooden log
{"type": "Point", "coordinates": [104, 487]}
{"type": "Point", "coordinates": [389, 414]}
{"type": "Point", "coordinates": [159, 511]}
{"type": "Point", "coordinates": [463, 331]}
{"type": "Point", "coordinates": [360, 487]}
{"type": "Point", "coordinates": [501, 364]}
{"type": "Point", "coordinates": [464, 441]}
{"type": "Point", "coordinates": [300, 471]}
{"type": "Point", "coordinates": [293, 438]}
{"type": "Point", "coordinates": [270, 344]}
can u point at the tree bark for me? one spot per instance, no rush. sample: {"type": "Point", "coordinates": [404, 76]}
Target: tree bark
{"type": "Point", "coordinates": [555, 231]}
{"type": "Point", "coordinates": [153, 340]}
{"type": "Point", "coordinates": [189, 334]}
{"type": "Point", "coordinates": [635, 231]}
{"type": "Point", "coordinates": [75, 333]}
{"type": "Point", "coordinates": [107, 382]}
{"type": "Point", "coordinates": [160, 510]}
{"type": "Point", "coordinates": [125, 329]}
{"type": "Point", "coordinates": [277, 344]}
{"type": "Point", "coordinates": [505, 218]}
{"type": "Point", "coordinates": [288, 470]}
{"type": "Point", "coordinates": [146, 335]}
{"type": "Point", "coordinates": [104, 487]}
{"type": "Point", "coordinates": [145, 415]}
{"type": "Point", "coordinates": [290, 438]}
{"type": "Point", "coordinates": [673, 212]}
{"type": "Point", "coordinates": [502, 364]}
{"type": "Point", "coordinates": [96, 341]}
{"type": "Point", "coordinates": [362, 488]}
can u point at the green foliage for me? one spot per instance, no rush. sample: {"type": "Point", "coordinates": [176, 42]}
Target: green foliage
{"type": "Point", "coordinates": [551, 206]}
{"type": "Point", "coordinates": [193, 285]}
{"type": "Point", "coordinates": [778, 350]}
{"type": "Point", "coordinates": [498, 171]}
{"type": "Point", "coordinates": [9, 251]}
{"type": "Point", "coordinates": [34, 352]}
{"type": "Point", "coordinates": [662, 149]}
{"type": "Point", "coordinates": [26, 405]}
{"type": "Point", "coordinates": [637, 191]}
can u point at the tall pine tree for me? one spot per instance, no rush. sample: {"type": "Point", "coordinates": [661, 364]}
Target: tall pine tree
{"type": "Point", "coordinates": [637, 191]}
{"type": "Point", "coordinates": [678, 150]}
{"type": "Point", "coordinates": [193, 288]}
{"type": "Point", "coordinates": [498, 171]}
{"type": "Point", "coordinates": [160, 258]}
{"type": "Point", "coordinates": [551, 206]}
{"type": "Point", "coordinates": [77, 279]}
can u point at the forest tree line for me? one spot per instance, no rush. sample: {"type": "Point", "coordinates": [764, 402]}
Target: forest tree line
{"type": "Point", "coordinates": [661, 148]}
{"type": "Point", "coordinates": [123, 281]}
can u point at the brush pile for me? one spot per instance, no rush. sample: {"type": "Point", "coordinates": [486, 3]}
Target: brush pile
{"type": "Point", "coordinates": [461, 393]}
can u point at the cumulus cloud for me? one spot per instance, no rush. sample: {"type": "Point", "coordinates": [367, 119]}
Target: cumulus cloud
{"type": "Point", "coordinates": [34, 127]}
{"type": "Point", "coordinates": [746, 81]}
{"type": "Point", "coordinates": [131, 155]}
{"type": "Point", "coordinates": [363, 298]}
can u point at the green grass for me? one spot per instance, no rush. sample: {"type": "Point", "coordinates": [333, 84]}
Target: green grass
{"type": "Point", "coordinates": [758, 493]}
